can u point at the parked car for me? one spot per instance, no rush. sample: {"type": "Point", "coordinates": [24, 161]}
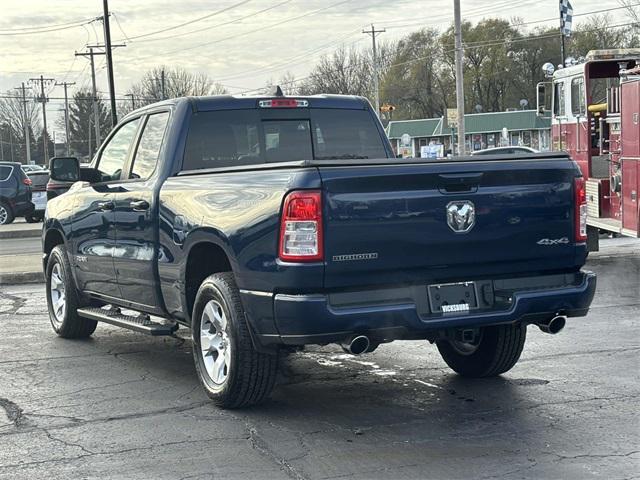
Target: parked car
{"type": "Point", "coordinates": [32, 168]}
{"type": "Point", "coordinates": [266, 224]}
{"type": "Point", "coordinates": [514, 150]}
{"type": "Point", "coordinates": [39, 180]}
{"type": "Point", "coordinates": [15, 192]}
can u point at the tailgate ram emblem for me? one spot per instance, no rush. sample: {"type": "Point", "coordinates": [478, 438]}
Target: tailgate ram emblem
{"type": "Point", "coordinates": [461, 216]}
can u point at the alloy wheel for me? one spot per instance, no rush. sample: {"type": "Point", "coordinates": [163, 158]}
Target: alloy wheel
{"type": "Point", "coordinates": [3, 215]}
{"type": "Point", "coordinates": [58, 294]}
{"type": "Point", "coordinates": [215, 345]}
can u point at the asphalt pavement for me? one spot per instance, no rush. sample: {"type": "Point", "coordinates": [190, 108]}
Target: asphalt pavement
{"type": "Point", "coordinates": [123, 405]}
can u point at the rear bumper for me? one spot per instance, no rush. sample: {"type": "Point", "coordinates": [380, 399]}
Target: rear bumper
{"type": "Point", "coordinates": [403, 312]}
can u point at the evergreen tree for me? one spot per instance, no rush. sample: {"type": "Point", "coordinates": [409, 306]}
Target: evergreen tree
{"type": "Point", "coordinates": [81, 124]}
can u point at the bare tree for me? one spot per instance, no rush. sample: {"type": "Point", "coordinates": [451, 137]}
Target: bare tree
{"type": "Point", "coordinates": [163, 82]}
{"type": "Point", "coordinates": [287, 82]}
{"type": "Point", "coordinates": [345, 72]}
{"type": "Point", "coordinates": [12, 123]}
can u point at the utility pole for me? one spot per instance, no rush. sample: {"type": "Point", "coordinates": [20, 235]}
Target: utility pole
{"type": "Point", "coordinates": [43, 99]}
{"type": "Point", "coordinates": [162, 85]}
{"type": "Point", "coordinates": [462, 145]}
{"type": "Point", "coordinates": [25, 122]}
{"type": "Point", "coordinates": [107, 49]}
{"type": "Point", "coordinates": [66, 115]}
{"type": "Point", "coordinates": [10, 144]}
{"type": "Point", "coordinates": [373, 32]}
{"type": "Point", "coordinates": [96, 112]}
{"type": "Point", "coordinates": [133, 99]}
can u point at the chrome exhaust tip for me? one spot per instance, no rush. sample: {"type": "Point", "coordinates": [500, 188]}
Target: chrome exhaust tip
{"type": "Point", "coordinates": [553, 326]}
{"type": "Point", "coordinates": [357, 345]}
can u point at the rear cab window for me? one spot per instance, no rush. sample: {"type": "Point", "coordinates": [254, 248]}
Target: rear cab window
{"type": "Point", "coordinates": [229, 138]}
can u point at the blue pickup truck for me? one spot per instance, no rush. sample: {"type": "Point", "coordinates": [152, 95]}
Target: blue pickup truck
{"type": "Point", "coordinates": [266, 224]}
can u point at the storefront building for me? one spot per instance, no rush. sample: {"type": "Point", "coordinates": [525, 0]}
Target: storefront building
{"type": "Point", "coordinates": [483, 130]}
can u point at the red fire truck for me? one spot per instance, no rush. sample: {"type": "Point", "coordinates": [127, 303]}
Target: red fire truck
{"type": "Point", "coordinates": [595, 117]}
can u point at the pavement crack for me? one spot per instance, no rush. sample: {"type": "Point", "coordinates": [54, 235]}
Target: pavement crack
{"type": "Point", "coordinates": [594, 455]}
{"type": "Point", "coordinates": [579, 354]}
{"type": "Point", "coordinates": [67, 443]}
{"type": "Point", "coordinates": [262, 447]}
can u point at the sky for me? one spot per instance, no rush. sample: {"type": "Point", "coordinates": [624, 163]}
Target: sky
{"type": "Point", "coordinates": [241, 44]}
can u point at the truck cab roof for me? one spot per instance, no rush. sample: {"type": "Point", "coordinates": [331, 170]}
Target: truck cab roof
{"type": "Point", "coordinates": [238, 102]}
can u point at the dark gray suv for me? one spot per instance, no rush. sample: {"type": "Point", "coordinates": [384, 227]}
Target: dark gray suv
{"type": "Point", "coordinates": [15, 193]}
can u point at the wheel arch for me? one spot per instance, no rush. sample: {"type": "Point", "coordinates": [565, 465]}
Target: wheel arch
{"type": "Point", "coordinates": [204, 257]}
{"type": "Point", "coordinates": [52, 238]}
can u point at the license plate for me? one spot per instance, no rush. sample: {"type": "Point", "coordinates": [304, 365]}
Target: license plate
{"type": "Point", "coordinates": [453, 297]}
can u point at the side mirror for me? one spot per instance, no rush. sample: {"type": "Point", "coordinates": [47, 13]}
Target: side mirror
{"type": "Point", "coordinates": [64, 169]}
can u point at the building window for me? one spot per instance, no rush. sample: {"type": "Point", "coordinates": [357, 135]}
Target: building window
{"type": "Point", "coordinates": [526, 138]}
{"type": "Point", "coordinates": [577, 97]}
{"type": "Point", "coordinates": [544, 140]}
{"type": "Point", "coordinates": [515, 138]}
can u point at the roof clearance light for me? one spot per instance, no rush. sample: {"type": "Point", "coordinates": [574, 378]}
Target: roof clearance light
{"type": "Point", "coordinates": [283, 103]}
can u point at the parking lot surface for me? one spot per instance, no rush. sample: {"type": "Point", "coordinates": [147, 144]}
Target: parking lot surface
{"type": "Point", "coordinates": [123, 405]}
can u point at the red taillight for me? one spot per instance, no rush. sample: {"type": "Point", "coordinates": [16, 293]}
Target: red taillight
{"type": "Point", "coordinates": [301, 227]}
{"type": "Point", "coordinates": [283, 103]}
{"type": "Point", "coordinates": [27, 181]}
{"type": "Point", "coordinates": [580, 193]}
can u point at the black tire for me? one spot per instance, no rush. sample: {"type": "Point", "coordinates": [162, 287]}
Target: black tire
{"type": "Point", "coordinates": [496, 352]}
{"type": "Point", "coordinates": [32, 218]}
{"type": "Point", "coordinates": [66, 323]}
{"type": "Point", "coordinates": [6, 214]}
{"type": "Point", "coordinates": [249, 375]}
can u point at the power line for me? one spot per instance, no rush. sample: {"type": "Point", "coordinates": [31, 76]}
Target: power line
{"type": "Point", "coordinates": [19, 29]}
{"type": "Point", "coordinates": [593, 12]}
{"type": "Point", "coordinates": [290, 60]}
{"type": "Point", "coordinates": [231, 37]}
{"type": "Point", "coordinates": [217, 12]}
{"type": "Point", "coordinates": [36, 32]}
{"type": "Point", "coordinates": [215, 26]}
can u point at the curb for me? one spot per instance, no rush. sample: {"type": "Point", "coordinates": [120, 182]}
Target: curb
{"type": "Point", "coordinates": [21, 278]}
{"type": "Point", "coordinates": [30, 233]}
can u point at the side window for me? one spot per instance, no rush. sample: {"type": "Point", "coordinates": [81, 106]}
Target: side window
{"type": "Point", "coordinates": [144, 163]}
{"type": "Point", "coordinates": [5, 173]}
{"type": "Point", "coordinates": [114, 154]}
{"type": "Point", "coordinates": [558, 99]}
{"type": "Point", "coordinates": [577, 97]}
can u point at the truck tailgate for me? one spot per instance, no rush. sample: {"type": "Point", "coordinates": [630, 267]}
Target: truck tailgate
{"type": "Point", "coordinates": [388, 223]}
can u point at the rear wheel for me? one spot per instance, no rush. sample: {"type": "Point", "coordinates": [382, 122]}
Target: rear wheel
{"type": "Point", "coordinates": [33, 218]}
{"type": "Point", "coordinates": [233, 373]}
{"type": "Point", "coordinates": [494, 351]}
{"type": "Point", "coordinates": [6, 214]}
{"type": "Point", "coordinates": [62, 298]}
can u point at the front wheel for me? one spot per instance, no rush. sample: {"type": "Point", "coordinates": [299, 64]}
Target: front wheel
{"type": "Point", "coordinates": [62, 298]}
{"type": "Point", "coordinates": [495, 350]}
{"type": "Point", "coordinates": [233, 373]}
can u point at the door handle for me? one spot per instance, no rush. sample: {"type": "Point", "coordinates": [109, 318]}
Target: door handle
{"type": "Point", "coordinates": [139, 205]}
{"type": "Point", "coordinates": [106, 206]}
